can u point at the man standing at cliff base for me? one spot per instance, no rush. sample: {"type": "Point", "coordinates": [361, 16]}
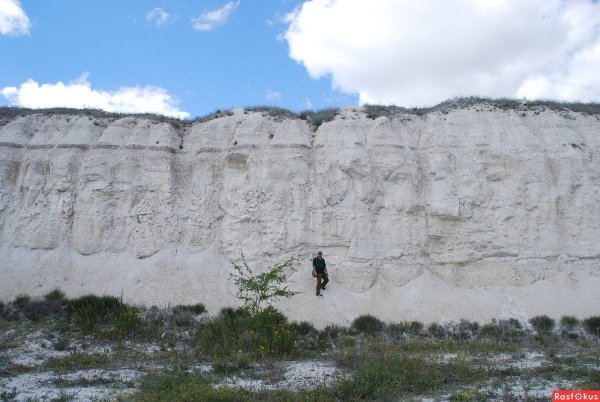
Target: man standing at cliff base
{"type": "Point", "coordinates": [320, 269]}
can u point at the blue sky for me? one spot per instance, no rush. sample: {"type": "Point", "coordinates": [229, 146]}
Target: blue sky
{"type": "Point", "coordinates": [124, 44]}
{"type": "Point", "coordinates": [187, 58]}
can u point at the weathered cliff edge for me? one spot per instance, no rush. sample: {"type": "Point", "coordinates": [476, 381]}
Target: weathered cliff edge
{"type": "Point", "coordinates": [473, 212]}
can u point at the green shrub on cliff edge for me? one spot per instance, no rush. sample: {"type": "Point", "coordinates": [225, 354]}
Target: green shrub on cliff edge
{"type": "Point", "coordinates": [316, 119]}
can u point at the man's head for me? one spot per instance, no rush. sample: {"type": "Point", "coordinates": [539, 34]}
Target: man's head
{"type": "Point", "coordinates": [319, 253]}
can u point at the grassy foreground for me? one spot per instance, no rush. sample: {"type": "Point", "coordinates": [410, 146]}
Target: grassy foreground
{"type": "Point", "coordinates": [181, 354]}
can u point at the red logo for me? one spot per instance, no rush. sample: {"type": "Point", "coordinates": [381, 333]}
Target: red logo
{"type": "Point", "coordinates": [575, 396]}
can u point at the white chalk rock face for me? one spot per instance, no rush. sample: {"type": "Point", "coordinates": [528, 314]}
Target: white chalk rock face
{"type": "Point", "coordinates": [475, 212]}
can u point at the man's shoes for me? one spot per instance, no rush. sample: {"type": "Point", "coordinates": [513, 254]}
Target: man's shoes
{"type": "Point", "coordinates": [322, 287]}
{"type": "Point", "coordinates": [319, 294]}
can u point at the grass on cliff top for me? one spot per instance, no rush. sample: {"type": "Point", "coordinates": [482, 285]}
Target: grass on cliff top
{"type": "Point", "coordinates": [316, 118]}
{"type": "Point", "coordinates": [10, 113]}
{"type": "Point", "coordinates": [374, 111]}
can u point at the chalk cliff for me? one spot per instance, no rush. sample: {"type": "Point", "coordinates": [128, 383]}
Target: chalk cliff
{"type": "Point", "coordinates": [474, 212]}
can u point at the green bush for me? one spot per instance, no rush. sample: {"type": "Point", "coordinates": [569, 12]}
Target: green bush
{"type": "Point", "coordinates": [375, 111]}
{"type": "Point", "coordinates": [303, 328]}
{"type": "Point", "coordinates": [568, 322]}
{"type": "Point", "coordinates": [179, 318]}
{"type": "Point", "coordinates": [259, 290]}
{"type": "Point", "coordinates": [368, 324]}
{"type": "Point", "coordinates": [55, 295]}
{"type": "Point", "coordinates": [592, 325]}
{"type": "Point", "coordinates": [183, 315]}
{"type": "Point", "coordinates": [230, 313]}
{"type": "Point", "coordinates": [272, 111]}
{"type": "Point", "coordinates": [34, 309]}
{"type": "Point", "coordinates": [217, 114]}
{"type": "Point", "coordinates": [491, 330]}
{"type": "Point", "coordinates": [21, 300]}
{"type": "Point", "coordinates": [513, 322]}
{"type": "Point", "coordinates": [197, 308]}
{"type": "Point", "coordinates": [406, 327]}
{"type": "Point", "coordinates": [219, 338]}
{"type": "Point", "coordinates": [436, 330]}
{"type": "Point", "coordinates": [542, 323]}
{"type": "Point", "coordinates": [264, 334]}
{"type": "Point", "coordinates": [332, 332]}
{"type": "Point", "coordinates": [502, 329]}
{"type": "Point", "coordinates": [126, 324]}
{"type": "Point", "coordinates": [90, 311]}
{"type": "Point", "coordinates": [164, 323]}
{"type": "Point", "coordinates": [464, 329]}
{"type": "Point", "coordinates": [316, 119]}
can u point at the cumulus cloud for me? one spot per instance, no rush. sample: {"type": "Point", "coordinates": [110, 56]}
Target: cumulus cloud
{"type": "Point", "coordinates": [210, 20]}
{"type": "Point", "coordinates": [13, 20]}
{"type": "Point", "coordinates": [420, 53]}
{"type": "Point", "coordinates": [80, 94]}
{"type": "Point", "coordinates": [158, 16]}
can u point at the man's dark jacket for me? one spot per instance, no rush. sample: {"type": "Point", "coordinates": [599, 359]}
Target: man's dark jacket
{"type": "Point", "coordinates": [319, 264]}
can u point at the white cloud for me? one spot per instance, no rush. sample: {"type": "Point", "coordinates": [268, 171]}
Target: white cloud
{"type": "Point", "coordinates": [272, 95]}
{"type": "Point", "coordinates": [13, 20]}
{"type": "Point", "coordinates": [80, 94]}
{"type": "Point", "coordinates": [210, 20]}
{"type": "Point", "coordinates": [579, 80]}
{"type": "Point", "coordinates": [158, 16]}
{"type": "Point", "coordinates": [420, 53]}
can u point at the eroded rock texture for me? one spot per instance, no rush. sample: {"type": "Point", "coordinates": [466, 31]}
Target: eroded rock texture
{"type": "Point", "coordinates": [475, 212]}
